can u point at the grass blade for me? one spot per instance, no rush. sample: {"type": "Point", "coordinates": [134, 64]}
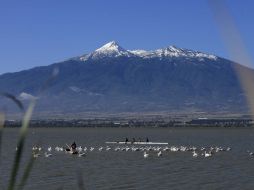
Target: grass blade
{"type": "Point", "coordinates": [2, 118]}
{"type": "Point", "coordinates": [26, 173]}
{"type": "Point", "coordinates": [14, 99]}
{"type": "Point", "coordinates": [49, 81]}
{"type": "Point", "coordinates": [23, 132]}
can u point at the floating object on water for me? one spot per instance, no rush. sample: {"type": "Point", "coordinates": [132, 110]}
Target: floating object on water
{"type": "Point", "coordinates": [159, 154]}
{"type": "Point", "coordinates": [146, 155]}
{"type": "Point", "coordinates": [36, 148]}
{"type": "Point", "coordinates": [194, 154]}
{"type": "Point", "coordinates": [208, 154]}
{"type": "Point", "coordinates": [174, 149]}
{"type": "Point", "coordinates": [81, 154]}
{"type": "Point", "coordinates": [79, 149]}
{"type": "Point", "coordinates": [59, 149]}
{"type": "Point", "coordinates": [47, 155]}
{"type": "Point", "coordinates": [36, 155]}
{"type": "Point", "coordinates": [183, 148]}
{"type": "Point", "coordinates": [108, 148]}
{"type": "Point", "coordinates": [148, 143]}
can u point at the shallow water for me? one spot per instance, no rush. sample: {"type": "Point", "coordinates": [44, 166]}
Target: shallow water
{"type": "Point", "coordinates": [130, 170]}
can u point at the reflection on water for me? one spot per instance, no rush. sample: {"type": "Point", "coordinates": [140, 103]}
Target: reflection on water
{"type": "Point", "coordinates": [129, 169]}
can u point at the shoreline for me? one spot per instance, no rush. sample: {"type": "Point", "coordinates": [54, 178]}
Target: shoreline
{"type": "Point", "coordinates": [134, 123]}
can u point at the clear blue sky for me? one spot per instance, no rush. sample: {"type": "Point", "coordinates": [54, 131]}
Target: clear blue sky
{"type": "Point", "coordinates": [34, 33]}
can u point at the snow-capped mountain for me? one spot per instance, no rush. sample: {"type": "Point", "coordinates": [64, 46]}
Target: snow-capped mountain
{"type": "Point", "coordinates": [113, 49]}
{"type": "Point", "coordinates": [109, 50]}
{"type": "Point", "coordinates": [113, 79]}
{"type": "Point", "coordinates": [171, 52]}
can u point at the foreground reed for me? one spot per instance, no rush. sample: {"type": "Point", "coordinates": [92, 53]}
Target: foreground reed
{"type": "Point", "coordinates": [12, 184]}
{"type": "Point", "coordinates": [20, 146]}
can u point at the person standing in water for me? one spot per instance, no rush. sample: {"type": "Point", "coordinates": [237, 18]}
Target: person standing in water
{"type": "Point", "coordinates": [73, 147]}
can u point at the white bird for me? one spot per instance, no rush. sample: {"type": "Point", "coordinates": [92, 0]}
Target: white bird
{"type": "Point", "coordinates": [59, 149]}
{"type": "Point", "coordinates": [183, 148]}
{"type": "Point", "coordinates": [134, 149]}
{"type": "Point", "coordinates": [36, 155]}
{"type": "Point", "coordinates": [34, 148]}
{"type": "Point", "coordinates": [208, 154]}
{"type": "Point", "coordinates": [159, 154]}
{"type": "Point", "coordinates": [108, 148]}
{"type": "Point", "coordinates": [146, 155]}
{"type": "Point", "coordinates": [174, 149]}
{"type": "Point", "coordinates": [194, 154]}
{"type": "Point", "coordinates": [79, 149]}
{"type": "Point", "coordinates": [47, 155]}
{"type": "Point", "coordinates": [49, 149]}
{"type": "Point", "coordinates": [193, 148]}
{"type": "Point", "coordinates": [81, 154]}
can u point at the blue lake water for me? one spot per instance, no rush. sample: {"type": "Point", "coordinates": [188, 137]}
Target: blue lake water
{"type": "Point", "coordinates": [129, 169]}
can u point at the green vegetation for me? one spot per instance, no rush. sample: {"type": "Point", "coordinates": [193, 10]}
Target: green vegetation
{"type": "Point", "coordinates": [13, 183]}
{"type": "Point", "coordinates": [20, 145]}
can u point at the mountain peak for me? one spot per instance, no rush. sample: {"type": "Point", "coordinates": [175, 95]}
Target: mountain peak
{"type": "Point", "coordinates": [112, 49]}
{"type": "Point", "coordinates": [174, 48]}
{"type": "Point", "coordinates": [109, 50]}
{"type": "Point", "coordinates": [110, 46]}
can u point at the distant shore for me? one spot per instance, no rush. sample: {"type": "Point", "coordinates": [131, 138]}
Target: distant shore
{"type": "Point", "coordinates": [135, 123]}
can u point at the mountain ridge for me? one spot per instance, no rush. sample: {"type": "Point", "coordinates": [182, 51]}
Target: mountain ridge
{"type": "Point", "coordinates": [113, 49]}
{"type": "Point", "coordinates": [115, 80]}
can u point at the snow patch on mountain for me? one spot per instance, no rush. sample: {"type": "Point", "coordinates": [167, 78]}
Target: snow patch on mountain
{"type": "Point", "coordinates": [112, 49]}
{"type": "Point", "coordinates": [87, 92]}
{"type": "Point", "coordinates": [172, 51]}
{"type": "Point", "coordinates": [75, 89]}
{"type": "Point", "coordinates": [141, 52]}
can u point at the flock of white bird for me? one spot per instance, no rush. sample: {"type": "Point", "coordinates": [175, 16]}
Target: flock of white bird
{"type": "Point", "coordinates": [146, 150]}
